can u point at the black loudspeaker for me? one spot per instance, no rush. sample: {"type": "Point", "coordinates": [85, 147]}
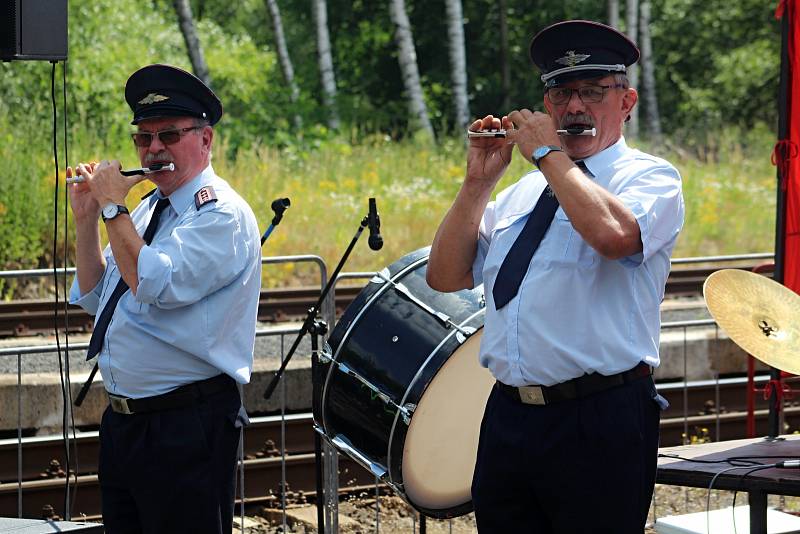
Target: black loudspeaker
{"type": "Point", "coordinates": [33, 29]}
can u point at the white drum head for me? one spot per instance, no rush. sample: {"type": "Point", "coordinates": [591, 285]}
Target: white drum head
{"type": "Point", "coordinates": [442, 439]}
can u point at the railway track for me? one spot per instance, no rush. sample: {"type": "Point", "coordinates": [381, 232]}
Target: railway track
{"type": "Point", "coordinates": [692, 413]}
{"type": "Point", "coordinates": [27, 317]}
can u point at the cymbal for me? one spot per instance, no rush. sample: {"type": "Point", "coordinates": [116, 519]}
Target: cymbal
{"type": "Point", "coordinates": [759, 314]}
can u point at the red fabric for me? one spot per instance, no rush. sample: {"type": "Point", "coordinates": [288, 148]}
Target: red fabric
{"type": "Point", "coordinates": [786, 151]}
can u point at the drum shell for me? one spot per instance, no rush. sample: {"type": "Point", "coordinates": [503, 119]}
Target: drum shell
{"type": "Point", "coordinates": [397, 347]}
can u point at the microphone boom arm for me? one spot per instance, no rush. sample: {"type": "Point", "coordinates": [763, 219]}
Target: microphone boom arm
{"type": "Point", "coordinates": [312, 312]}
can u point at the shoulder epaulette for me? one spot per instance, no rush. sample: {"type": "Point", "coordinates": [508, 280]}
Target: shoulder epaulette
{"type": "Point", "coordinates": [204, 196]}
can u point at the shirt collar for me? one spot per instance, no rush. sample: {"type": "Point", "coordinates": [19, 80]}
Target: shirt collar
{"type": "Point", "coordinates": [184, 195]}
{"type": "Point", "coordinates": [598, 163]}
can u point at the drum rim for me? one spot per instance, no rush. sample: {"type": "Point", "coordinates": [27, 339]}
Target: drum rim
{"type": "Point", "coordinates": [334, 357]}
{"type": "Point", "coordinates": [390, 467]}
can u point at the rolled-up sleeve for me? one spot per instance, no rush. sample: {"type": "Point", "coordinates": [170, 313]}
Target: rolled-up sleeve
{"type": "Point", "coordinates": [657, 203]}
{"type": "Point", "coordinates": [484, 240]}
{"type": "Point", "coordinates": [89, 301]}
{"type": "Point", "coordinates": [200, 256]}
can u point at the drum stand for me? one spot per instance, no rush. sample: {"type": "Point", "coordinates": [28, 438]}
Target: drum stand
{"type": "Point", "coordinates": [328, 500]}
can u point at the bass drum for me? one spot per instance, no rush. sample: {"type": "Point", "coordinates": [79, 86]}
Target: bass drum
{"type": "Point", "coordinates": [402, 392]}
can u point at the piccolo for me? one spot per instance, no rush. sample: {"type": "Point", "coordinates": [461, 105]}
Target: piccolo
{"type": "Point", "coordinates": [502, 133]}
{"type": "Point", "coordinates": [578, 131]}
{"type": "Point", "coordinates": [486, 133]}
{"type": "Point", "coordinates": [156, 167]}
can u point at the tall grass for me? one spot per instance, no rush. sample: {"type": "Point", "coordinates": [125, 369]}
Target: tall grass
{"type": "Point", "coordinates": [729, 189]}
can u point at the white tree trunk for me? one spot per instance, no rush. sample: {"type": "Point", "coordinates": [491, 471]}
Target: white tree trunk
{"type": "Point", "coordinates": [631, 28]}
{"type": "Point", "coordinates": [326, 72]}
{"type": "Point", "coordinates": [283, 56]}
{"type": "Point", "coordinates": [458, 60]}
{"type": "Point", "coordinates": [648, 73]}
{"type": "Point", "coordinates": [407, 58]}
{"type": "Point", "coordinates": [186, 23]}
{"type": "Point", "coordinates": [613, 13]}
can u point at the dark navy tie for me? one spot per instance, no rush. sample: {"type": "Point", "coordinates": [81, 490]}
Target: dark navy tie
{"type": "Point", "coordinates": [101, 325]}
{"type": "Point", "coordinates": [515, 264]}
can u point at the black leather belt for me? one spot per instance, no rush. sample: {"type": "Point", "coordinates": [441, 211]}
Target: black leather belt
{"type": "Point", "coordinates": [177, 398]}
{"type": "Point", "coordinates": [574, 389]}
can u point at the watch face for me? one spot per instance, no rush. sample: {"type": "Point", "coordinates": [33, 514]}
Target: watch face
{"type": "Point", "coordinates": [110, 211]}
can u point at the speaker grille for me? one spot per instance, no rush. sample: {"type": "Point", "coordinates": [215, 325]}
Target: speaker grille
{"type": "Point", "coordinates": [8, 28]}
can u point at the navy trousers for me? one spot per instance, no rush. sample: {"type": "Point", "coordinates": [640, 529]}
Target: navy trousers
{"type": "Point", "coordinates": [576, 467]}
{"type": "Point", "coordinates": [171, 471]}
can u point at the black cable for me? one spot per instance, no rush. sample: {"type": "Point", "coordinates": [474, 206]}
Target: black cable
{"type": "Point", "coordinates": [714, 479]}
{"type": "Point", "coordinates": [728, 461]}
{"type": "Point", "coordinates": [64, 409]}
{"type": "Point", "coordinates": [741, 478]}
{"type": "Point", "coordinates": [66, 296]}
{"type": "Point", "coordinates": [731, 460]}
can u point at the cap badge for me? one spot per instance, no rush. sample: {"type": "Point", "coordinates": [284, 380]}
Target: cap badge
{"type": "Point", "coordinates": [572, 59]}
{"type": "Point", "coordinates": [152, 98]}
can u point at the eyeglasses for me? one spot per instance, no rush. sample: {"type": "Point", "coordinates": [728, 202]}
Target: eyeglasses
{"type": "Point", "coordinates": [589, 94]}
{"type": "Point", "coordinates": [168, 137]}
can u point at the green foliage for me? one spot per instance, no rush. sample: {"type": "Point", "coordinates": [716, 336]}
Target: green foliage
{"type": "Point", "coordinates": [717, 67]}
{"type": "Point", "coordinates": [718, 62]}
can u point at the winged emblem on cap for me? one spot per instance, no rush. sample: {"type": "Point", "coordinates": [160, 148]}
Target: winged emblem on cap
{"type": "Point", "coordinates": [571, 58]}
{"type": "Point", "coordinates": [152, 98]}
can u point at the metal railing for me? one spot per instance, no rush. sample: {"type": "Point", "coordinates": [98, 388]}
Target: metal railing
{"type": "Point", "coordinates": [328, 313]}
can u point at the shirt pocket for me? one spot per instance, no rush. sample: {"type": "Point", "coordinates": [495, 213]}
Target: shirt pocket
{"type": "Point", "coordinates": [568, 246]}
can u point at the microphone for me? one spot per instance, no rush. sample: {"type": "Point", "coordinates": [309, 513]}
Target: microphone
{"type": "Point", "coordinates": [374, 221]}
{"type": "Point", "coordinates": [279, 205]}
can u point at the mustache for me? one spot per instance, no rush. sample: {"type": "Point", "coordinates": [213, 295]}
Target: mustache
{"type": "Point", "coordinates": [160, 157]}
{"type": "Point", "coordinates": [577, 118]}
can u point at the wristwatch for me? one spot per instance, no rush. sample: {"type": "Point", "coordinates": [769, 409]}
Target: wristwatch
{"type": "Point", "coordinates": [542, 151]}
{"type": "Point", "coordinates": [111, 210]}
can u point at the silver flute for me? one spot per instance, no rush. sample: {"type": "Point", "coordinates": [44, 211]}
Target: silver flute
{"type": "Point", "coordinates": [502, 133]}
{"type": "Point", "coordinates": [156, 167]}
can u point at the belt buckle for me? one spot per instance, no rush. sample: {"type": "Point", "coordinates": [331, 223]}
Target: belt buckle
{"type": "Point", "coordinates": [119, 404]}
{"type": "Point", "coordinates": [532, 395]}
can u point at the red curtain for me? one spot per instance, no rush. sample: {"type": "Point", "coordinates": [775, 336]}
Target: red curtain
{"type": "Point", "coordinates": [786, 151]}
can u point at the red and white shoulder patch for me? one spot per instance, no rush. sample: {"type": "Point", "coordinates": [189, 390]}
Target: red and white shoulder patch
{"type": "Point", "coordinates": [204, 196]}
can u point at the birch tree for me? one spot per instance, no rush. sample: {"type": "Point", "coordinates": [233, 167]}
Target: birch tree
{"type": "Point", "coordinates": [283, 56]}
{"type": "Point", "coordinates": [326, 72]}
{"type": "Point", "coordinates": [631, 29]}
{"type": "Point", "coordinates": [458, 60]}
{"type": "Point", "coordinates": [407, 58]}
{"type": "Point", "coordinates": [186, 23]}
{"type": "Point", "coordinates": [648, 73]}
{"type": "Point", "coordinates": [613, 13]}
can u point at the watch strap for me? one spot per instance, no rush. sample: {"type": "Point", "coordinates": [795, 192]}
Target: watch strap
{"type": "Point", "coordinates": [120, 209]}
{"type": "Point", "coordinates": [547, 149]}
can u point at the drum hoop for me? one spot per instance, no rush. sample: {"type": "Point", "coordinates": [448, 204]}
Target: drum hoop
{"type": "Point", "coordinates": [413, 381]}
{"type": "Point", "coordinates": [349, 331]}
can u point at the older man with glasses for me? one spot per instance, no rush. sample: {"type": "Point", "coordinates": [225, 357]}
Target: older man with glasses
{"type": "Point", "coordinates": [573, 259]}
{"type": "Point", "coordinates": [175, 294]}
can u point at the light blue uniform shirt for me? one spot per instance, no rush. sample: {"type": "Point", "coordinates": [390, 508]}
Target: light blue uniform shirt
{"type": "Point", "coordinates": [577, 312]}
{"type": "Point", "coordinates": [194, 312]}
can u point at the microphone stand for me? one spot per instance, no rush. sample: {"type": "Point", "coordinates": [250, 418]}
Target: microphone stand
{"type": "Point", "coordinates": [279, 205]}
{"type": "Point", "coordinates": [316, 327]}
